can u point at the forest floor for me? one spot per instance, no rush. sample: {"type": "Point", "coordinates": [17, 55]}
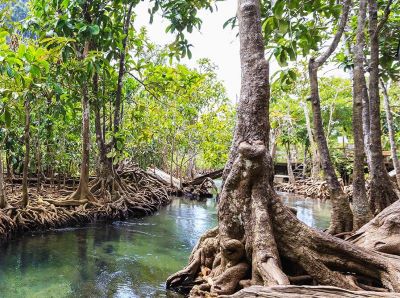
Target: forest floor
{"type": "Point", "coordinates": [43, 212]}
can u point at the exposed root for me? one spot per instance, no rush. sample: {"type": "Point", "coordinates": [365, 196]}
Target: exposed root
{"type": "Point", "coordinates": [46, 212]}
{"type": "Point", "coordinates": [306, 291]}
{"type": "Point", "coordinates": [382, 233]}
{"type": "Point", "coordinates": [261, 242]}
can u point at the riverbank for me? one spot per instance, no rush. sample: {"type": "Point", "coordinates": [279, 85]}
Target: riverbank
{"type": "Point", "coordinates": [44, 213]}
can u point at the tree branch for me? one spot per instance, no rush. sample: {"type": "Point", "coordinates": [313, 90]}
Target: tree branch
{"type": "Point", "coordinates": [342, 24]}
{"type": "Point", "coordinates": [385, 17]}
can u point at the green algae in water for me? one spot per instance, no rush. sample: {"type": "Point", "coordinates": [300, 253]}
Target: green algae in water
{"type": "Point", "coordinates": [123, 259]}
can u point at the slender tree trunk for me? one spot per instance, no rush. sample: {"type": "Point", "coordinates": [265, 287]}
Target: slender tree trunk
{"type": "Point", "coordinates": [3, 199]}
{"type": "Point", "coordinates": [289, 165]}
{"type": "Point", "coordinates": [315, 158]}
{"type": "Point", "coordinates": [341, 218]}
{"type": "Point", "coordinates": [121, 71]}
{"type": "Point", "coordinates": [83, 194]}
{"type": "Point", "coordinates": [365, 119]}
{"type": "Point", "coordinates": [392, 140]}
{"type": "Point", "coordinates": [361, 211]}
{"type": "Point", "coordinates": [38, 161]}
{"type": "Point", "coordinates": [382, 192]}
{"type": "Point", "coordinates": [26, 157]}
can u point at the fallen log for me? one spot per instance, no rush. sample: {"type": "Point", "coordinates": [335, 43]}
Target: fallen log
{"type": "Point", "coordinates": [164, 177]}
{"type": "Point", "coordinates": [200, 179]}
{"type": "Point", "coordinates": [306, 291]}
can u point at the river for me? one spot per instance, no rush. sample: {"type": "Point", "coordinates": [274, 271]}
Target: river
{"type": "Point", "coordinates": [122, 259]}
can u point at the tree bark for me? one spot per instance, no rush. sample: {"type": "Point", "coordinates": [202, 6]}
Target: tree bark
{"type": "Point", "coordinates": [306, 292]}
{"type": "Point", "coordinates": [83, 194]}
{"type": "Point", "coordinates": [341, 216]}
{"type": "Point", "coordinates": [361, 211]}
{"type": "Point", "coordinates": [259, 240]}
{"type": "Point", "coordinates": [3, 199]}
{"type": "Point", "coordinates": [392, 140]}
{"type": "Point", "coordinates": [121, 71]}
{"type": "Point", "coordinates": [289, 165]}
{"type": "Point", "coordinates": [382, 192]}
{"type": "Point", "coordinates": [26, 157]}
{"type": "Point", "coordinates": [315, 159]}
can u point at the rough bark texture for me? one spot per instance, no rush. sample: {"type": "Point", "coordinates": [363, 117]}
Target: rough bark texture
{"type": "Point", "coordinates": [342, 217]}
{"type": "Point", "coordinates": [382, 233]}
{"type": "Point", "coordinates": [382, 192]}
{"type": "Point", "coordinates": [361, 211]}
{"type": "Point", "coordinates": [259, 241]}
{"type": "Point", "coordinates": [306, 291]}
{"type": "Point", "coordinates": [392, 140]}
{"type": "Point", "coordinates": [26, 157]}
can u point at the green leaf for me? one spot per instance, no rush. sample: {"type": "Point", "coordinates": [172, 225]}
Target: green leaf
{"type": "Point", "coordinates": [278, 8]}
{"type": "Point", "coordinates": [94, 29]}
{"type": "Point", "coordinates": [7, 117]}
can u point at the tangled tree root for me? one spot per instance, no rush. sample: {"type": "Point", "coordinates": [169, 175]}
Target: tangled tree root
{"type": "Point", "coordinates": [306, 187]}
{"type": "Point", "coordinates": [259, 241]}
{"type": "Point", "coordinates": [46, 212]}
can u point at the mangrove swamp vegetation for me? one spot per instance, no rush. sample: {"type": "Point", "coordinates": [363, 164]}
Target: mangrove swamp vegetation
{"type": "Point", "coordinates": [134, 164]}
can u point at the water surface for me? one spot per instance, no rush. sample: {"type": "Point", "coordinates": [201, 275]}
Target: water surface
{"type": "Point", "coordinates": [123, 259]}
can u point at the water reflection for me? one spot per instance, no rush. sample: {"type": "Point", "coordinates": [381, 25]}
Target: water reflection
{"type": "Point", "coordinates": [123, 259]}
{"type": "Point", "coordinates": [313, 212]}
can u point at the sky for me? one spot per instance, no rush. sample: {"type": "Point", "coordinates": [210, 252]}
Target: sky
{"type": "Point", "coordinates": [214, 42]}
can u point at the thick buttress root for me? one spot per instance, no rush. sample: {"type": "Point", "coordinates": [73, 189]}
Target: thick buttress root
{"type": "Point", "coordinates": [382, 233]}
{"type": "Point", "coordinates": [259, 241]}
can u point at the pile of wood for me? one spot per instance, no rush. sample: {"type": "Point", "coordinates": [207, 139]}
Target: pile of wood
{"type": "Point", "coordinates": [306, 187]}
{"type": "Point", "coordinates": [41, 214]}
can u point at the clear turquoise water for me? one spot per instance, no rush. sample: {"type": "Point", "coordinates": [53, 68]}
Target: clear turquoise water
{"type": "Point", "coordinates": [123, 259]}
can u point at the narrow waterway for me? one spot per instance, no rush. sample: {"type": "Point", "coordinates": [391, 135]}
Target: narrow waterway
{"type": "Point", "coordinates": [123, 259]}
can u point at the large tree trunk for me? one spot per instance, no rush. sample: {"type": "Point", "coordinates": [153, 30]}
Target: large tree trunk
{"type": "Point", "coordinates": [259, 241]}
{"type": "Point", "coordinates": [341, 218]}
{"type": "Point", "coordinates": [382, 192]}
{"type": "Point", "coordinates": [26, 157]}
{"type": "Point", "coordinates": [361, 210]}
{"type": "Point", "coordinates": [392, 140]}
